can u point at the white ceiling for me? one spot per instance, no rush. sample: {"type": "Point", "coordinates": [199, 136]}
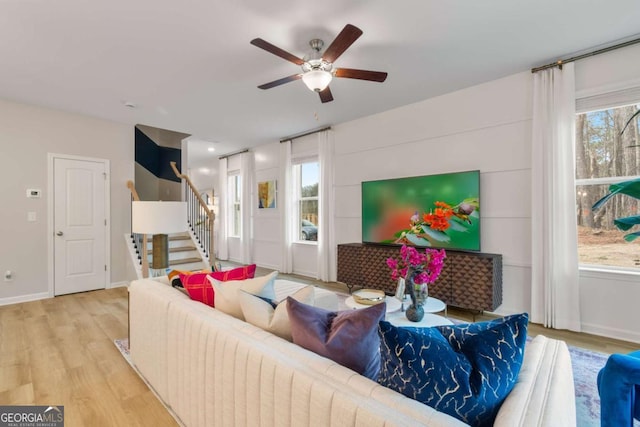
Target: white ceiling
{"type": "Point", "coordinates": [188, 66]}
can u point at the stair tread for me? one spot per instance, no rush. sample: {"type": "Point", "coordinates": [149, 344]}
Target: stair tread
{"type": "Point", "coordinates": [176, 249]}
{"type": "Point", "coordinates": [184, 261]}
{"type": "Point", "coordinates": [180, 237]}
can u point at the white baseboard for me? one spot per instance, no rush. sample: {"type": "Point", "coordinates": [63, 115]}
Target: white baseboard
{"type": "Point", "coordinates": [118, 285]}
{"type": "Point", "coordinates": [24, 298]}
{"type": "Point", "coordinates": [619, 334]}
{"type": "Point", "coordinates": [309, 274]}
{"type": "Point", "coordinates": [269, 266]}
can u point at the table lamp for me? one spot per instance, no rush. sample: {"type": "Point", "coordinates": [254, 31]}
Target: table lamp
{"type": "Point", "coordinates": [159, 219]}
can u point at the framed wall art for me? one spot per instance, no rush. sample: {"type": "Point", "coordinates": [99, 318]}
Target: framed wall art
{"type": "Point", "coordinates": [267, 195]}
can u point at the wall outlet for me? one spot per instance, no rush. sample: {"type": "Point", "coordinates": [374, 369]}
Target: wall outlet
{"type": "Point", "coordinates": [34, 193]}
{"type": "Point", "coordinates": [8, 276]}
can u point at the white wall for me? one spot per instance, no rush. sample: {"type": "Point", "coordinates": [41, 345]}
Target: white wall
{"type": "Point", "coordinates": [267, 223]}
{"type": "Point", "coordinates": [485, 127]}
{"type": "Point", "coordinates": [27, 134]}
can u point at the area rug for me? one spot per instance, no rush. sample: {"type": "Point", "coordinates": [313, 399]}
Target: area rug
{"type": "Point", "coordinates": [586, 365]}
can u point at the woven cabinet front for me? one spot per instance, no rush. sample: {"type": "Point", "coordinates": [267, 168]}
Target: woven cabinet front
{"type": "Point", "coordinates": [468, 280]}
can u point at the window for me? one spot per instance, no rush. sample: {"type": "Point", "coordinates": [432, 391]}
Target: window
{"type": "Point", "coordinates": [603, 157]}
{"type": "Point", "coordinates": [306, 179]}
{"type": "Point", "coordinates": [234, 194]}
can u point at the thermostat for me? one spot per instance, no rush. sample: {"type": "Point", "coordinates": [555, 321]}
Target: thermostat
{"type": "Point", "coordinates": [34, 193]}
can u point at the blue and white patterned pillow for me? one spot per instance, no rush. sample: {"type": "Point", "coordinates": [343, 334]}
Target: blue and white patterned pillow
{"type": "Point", "coordinates": [464, 370]}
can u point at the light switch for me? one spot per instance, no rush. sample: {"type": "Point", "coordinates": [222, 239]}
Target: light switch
{"type": "Point", "coordinates": [31, 216]}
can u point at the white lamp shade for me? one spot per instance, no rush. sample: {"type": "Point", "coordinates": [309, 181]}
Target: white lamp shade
{"type": "Point", "coordinates": [317, 80]}
{"type": "Point", "coordinates": [158, 217]}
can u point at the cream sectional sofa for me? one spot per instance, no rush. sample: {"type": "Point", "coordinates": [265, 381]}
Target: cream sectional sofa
{"type": "Point", "coordinates": [211, 369]}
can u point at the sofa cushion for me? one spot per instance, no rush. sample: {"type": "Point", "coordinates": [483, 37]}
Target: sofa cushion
{"type": "Point", "coordinates": [197, 286]}
{"type": "Point", "coordinates": [226, 293]}
{"type": "Point", "coordinates": [238, 273]}
{"type": "Point", "coordinates": [174, 277]}
{"type": "Point", "coordinates": [197, 283]}
{"type": "Point", "coordinates": [463, 370]}
{"type": "Point", "coordinates": [349, 338]}
{"type": "Point", "coordinates": [261, 312]}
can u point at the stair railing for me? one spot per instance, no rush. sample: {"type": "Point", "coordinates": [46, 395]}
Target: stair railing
{"type": "Point", "coordinates": [139, 240]}
{"type": "Point", "coordinates": [199, 216]}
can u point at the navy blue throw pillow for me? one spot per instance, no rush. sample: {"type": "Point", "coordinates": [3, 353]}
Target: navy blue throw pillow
{"type": "Point", "coordinates": [464, 370]}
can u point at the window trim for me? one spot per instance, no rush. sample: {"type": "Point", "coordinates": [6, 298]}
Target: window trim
{"type": "Point", "coordinates": [595, 103]}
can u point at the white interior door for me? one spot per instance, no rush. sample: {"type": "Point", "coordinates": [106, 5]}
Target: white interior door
{"type": "Point", "coordinates": [79, 225]}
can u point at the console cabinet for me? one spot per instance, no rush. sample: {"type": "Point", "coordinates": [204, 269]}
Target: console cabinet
{"type": "Point", "coordinates": [470, 280]}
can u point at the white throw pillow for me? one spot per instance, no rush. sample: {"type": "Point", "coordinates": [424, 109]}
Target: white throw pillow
{"type": "Point", "coordinates": [262, 314]}
{"type": "Point", "coordinates": [226, 293]}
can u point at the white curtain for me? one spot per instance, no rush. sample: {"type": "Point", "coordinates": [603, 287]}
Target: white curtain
{"type": "Point", "coordinates": [246, 173]}
{"type": "Point", "coordinates": [555, 299]}
{"type": "Point", "coordinates": [326, 242]}
{"type": "Point", "coordinates": [285, 201]}
{"type": "Point", "coordinates": [222, 243]}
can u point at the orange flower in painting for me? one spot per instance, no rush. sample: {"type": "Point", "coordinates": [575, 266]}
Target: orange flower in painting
{"type": "Point", "coordinates": [443, 205]}
{"type": "Point", "coordinates": [439, 218]}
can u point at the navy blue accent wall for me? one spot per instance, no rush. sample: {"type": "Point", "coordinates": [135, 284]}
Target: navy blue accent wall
{"type": "Point", "coordinates": [155, 158]}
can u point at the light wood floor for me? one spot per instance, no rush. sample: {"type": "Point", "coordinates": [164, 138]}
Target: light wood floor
{"type": "Point", "coordinates": [60, 351]}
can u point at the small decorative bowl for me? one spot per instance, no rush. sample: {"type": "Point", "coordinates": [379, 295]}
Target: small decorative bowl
{"type": "Point", "coordinates": [368, 296]}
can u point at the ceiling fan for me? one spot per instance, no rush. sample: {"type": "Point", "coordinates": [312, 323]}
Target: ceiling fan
{"type": "Point", "coordinates": [317, 68]}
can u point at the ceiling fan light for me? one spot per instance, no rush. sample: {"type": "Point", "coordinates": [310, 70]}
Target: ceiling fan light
{"type": "Point", "coordinates": [317, 80]}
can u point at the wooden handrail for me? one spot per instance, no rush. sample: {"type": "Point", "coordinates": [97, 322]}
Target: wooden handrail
{"type": "Point", "coordinates": [132, 188]}
{"type": "Point", "coordinates": [203, 206]}
{"type": "Point", "coordinates": [143, 250]}
{"type": "Point", "coordinates": [193, 188]}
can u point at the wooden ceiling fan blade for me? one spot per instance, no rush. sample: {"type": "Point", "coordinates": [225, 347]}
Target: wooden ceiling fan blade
{"type": "Point", "coordinates": [350, 73]}
{"type": "Point", "coordinates": [325, 95]}
{"type": "Point", "coordinates": [262, 44]}
{"type": "Point", "coordinates": [280, 81]}
{"type": "Point", "coordinates": [347, 36]}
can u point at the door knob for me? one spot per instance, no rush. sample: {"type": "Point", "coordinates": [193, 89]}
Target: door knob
{"type": "Point", "coordinates": [59, 233]}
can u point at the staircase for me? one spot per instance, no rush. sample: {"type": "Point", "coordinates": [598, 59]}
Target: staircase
{"type": "Point", "coordinates": [183, 254]}
{"type": "Point", "coordinates": [187, 251]}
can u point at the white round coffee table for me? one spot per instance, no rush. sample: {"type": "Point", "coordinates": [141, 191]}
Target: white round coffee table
{"type": "Point", "coordinates": [392, 304]}
{"type": "Point", "coordinates": [432, 305]}
{"type": "Point", "coordinates": [399, 318]}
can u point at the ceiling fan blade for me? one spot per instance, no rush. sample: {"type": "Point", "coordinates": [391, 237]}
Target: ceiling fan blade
{"type": "Point", "coordinates": [325, 95]}
{"type": "Point", "coordinates": [280, 81]}
{"type": "Point", "coordinates": [350, 73]}
{"type": "Point", "coordinates": [262, 44]}
{"type": "Point", "coordinates": [347, 36]}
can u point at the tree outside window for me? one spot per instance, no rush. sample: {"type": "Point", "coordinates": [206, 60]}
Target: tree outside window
{"type": "Point", "coordinates": [605, 156]}
{"type": "Point", "coordinates": [307, 179]}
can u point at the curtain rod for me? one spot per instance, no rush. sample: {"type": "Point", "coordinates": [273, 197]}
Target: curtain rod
{"type": "Point", "coordinates": [586, 55]}
{"type": "Point", "coordinates": [300, 135]}
{"type": "Point", "coordinates": [233, 154]}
